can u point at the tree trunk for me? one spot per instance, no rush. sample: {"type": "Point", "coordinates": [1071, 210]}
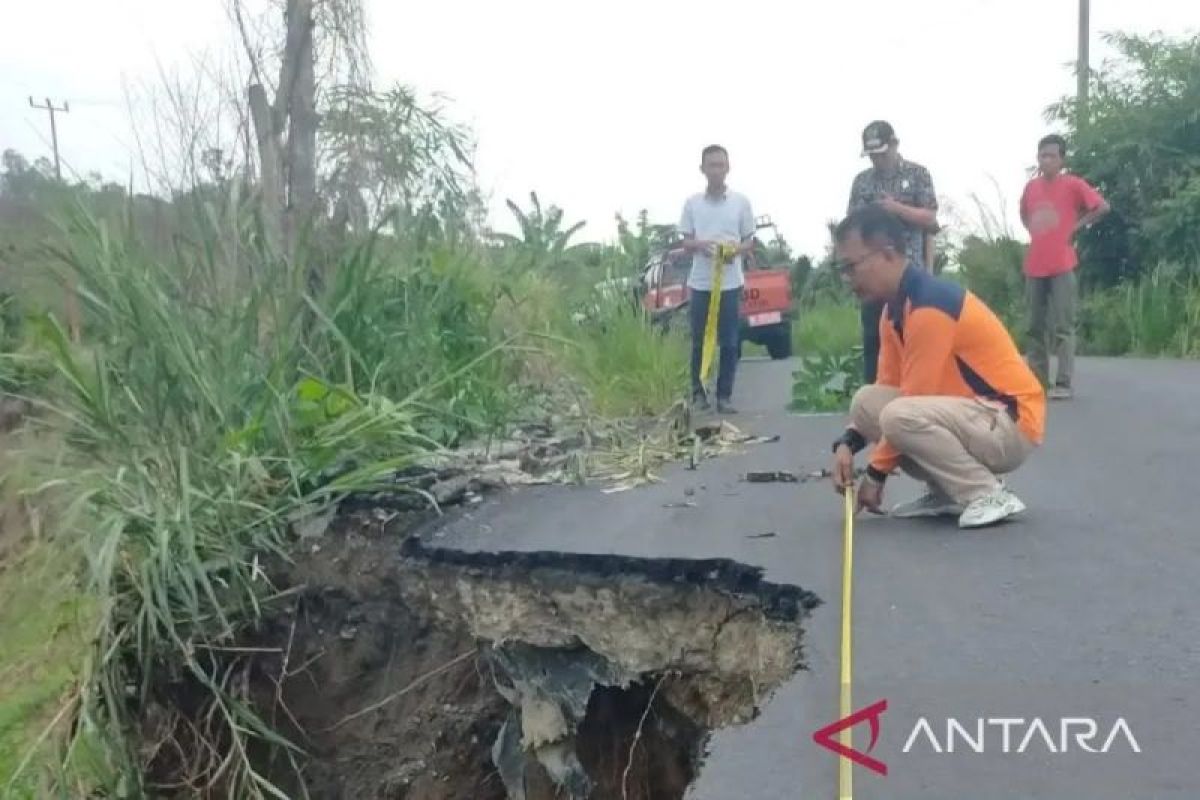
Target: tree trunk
{"type": "Point", "coordinates": [286, 132]}
{"type": "Point", "coordinates": [297, 102]}
{"type": "Point", "coordinates": [270, 159]}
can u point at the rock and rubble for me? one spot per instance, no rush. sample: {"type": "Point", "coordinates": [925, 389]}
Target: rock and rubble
{"type": "Point", "coordinates": [429, 673]}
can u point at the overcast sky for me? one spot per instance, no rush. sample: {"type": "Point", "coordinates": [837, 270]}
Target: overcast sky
{"type": "Point", "coordinates": [604, 107]}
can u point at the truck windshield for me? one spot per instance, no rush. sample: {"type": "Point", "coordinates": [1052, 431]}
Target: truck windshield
{"type": "Point", "coordinates": [675, 270]}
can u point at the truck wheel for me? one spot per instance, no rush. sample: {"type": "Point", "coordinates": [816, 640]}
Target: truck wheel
{"type": "Point", "coordinates": [665, 321]}
{"type": "Point", "coordinates": [779, 341]}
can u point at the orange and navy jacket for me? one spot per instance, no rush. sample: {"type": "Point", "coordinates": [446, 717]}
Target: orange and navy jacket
{"type": "Point", "coordinates": [937, 338]}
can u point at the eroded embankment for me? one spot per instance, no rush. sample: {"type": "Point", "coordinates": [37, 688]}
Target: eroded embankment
{"type": "Point", "coordinates": [407, 672]}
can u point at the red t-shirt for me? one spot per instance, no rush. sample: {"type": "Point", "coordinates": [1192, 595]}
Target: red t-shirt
{"type": "Point", "coordinates": [1052, 208]}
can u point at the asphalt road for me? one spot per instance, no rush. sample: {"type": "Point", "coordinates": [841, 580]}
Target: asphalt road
{"type": "Point", "coordinates": [1087, 607]}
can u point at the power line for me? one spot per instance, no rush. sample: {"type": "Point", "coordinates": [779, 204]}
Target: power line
{"type": "Point", "coordinates": [50, 107]}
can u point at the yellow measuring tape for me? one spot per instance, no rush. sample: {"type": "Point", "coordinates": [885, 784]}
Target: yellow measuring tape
{"type": "Point", "coordinates": [723, 255]}
{"type": "Point", "coordinates": [845, 767]}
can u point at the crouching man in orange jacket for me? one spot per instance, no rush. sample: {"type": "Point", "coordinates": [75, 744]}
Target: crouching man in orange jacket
{"type": "Point", "coordinates": [954, 403]}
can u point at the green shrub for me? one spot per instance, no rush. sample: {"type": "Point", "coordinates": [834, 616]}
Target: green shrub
{"type": "Point", "coordinates": [223, 395]}
{"type": "Point", "coordinates": [1140, 147]}
{"type": "Point", "coordinates": [209, 411]}
{"type": "Point", "coordinates": [992, 270]}
{"type": "Point", "coordinates": [1104, 324]}
{"type": "Point", "coordinates": [1162, 311]}
{"type": "Point", "coordinates": [1158, 315]}
{"type": "Point", "coordinates": [22, 370]}
{"type": "Point", "coordinates": [826, 381]}
{"type": "Point", "coordinates": [830, 329]}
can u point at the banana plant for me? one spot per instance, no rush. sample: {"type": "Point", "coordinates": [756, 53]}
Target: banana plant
{"type": "Point", "coordinates": [543, 241]}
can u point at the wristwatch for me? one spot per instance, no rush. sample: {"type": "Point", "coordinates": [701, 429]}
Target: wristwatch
{"type": "Point", "coordinates": [852, 439]}
{"type": "Point", "coordinates": [876, 476]}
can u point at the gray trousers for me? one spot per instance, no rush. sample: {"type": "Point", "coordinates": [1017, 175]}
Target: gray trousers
{"type": "Point", "coordinates": [1052, 316]}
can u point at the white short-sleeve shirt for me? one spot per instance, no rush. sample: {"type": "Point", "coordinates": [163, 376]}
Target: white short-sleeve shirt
{"type": "Point", "coordinates": [717, 219]}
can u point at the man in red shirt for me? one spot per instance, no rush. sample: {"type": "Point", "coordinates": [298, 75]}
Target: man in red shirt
{"type": "Point", "coordinates": [1054, 207]}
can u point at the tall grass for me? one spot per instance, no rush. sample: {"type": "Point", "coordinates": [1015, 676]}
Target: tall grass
{"type": "Point", "coordinates": [833, 329]}
{"type": "Point", "coordinates": [992, 269]}
{"type": "Point", "coordinates": [1158, 315]}
{"type": "Point", "coordinates": [628, 367]}
{"type": "Point", "coordinates": [46, 623]}
{"type": "Point", "coordinates": [412, 331]}
{"type": "Point", "coordinates": [44, 617]}
{"type": "Point", "coordinates": [221, 397]}
{"type": "Point", "coordinates": [21, 371]}
{"type": "Point", "coordinates": [209, 412]}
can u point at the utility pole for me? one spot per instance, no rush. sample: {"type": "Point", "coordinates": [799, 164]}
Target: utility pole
{"type": "Point", "coordinates": [1083, 67]}
{"type": "Point", "coordinates": [66, 109]}
{"type": "Point", "coordinates": [74, 322]}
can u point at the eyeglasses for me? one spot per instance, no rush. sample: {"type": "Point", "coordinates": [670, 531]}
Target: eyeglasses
{"type": "Point", "coordinates": [846, 267]}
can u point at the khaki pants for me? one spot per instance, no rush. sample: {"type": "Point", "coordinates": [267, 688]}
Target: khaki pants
{"type": "Point", "coordinates": [1052, 303]}
{"type": "Point", "coordinates": [957, 445]}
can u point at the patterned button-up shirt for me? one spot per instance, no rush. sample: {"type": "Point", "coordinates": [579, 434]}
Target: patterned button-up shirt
{"type": "Point", "coordinates": [909, 184]}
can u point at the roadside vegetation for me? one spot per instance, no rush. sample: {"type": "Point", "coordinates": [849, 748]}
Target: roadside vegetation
{"type": "Point", "coordinates": [241, 367]}
{"type": "Point", "coordinates": [1141, 265]}
{"type": "Point", "coordinates": [1140, 275]}
{"type": "Point", "coordinates": [219, 395]}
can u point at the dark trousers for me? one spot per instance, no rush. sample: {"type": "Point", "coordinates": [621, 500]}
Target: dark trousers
{"type": "Point", "coordinates": [727, 338]}
{"type": "Point", "coordinates": [871, 314]}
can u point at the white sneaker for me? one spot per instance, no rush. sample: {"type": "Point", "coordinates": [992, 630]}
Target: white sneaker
{"type": "Point", "coordinates": [930, 504]}
{"type": "Point", "coordinates": [991, 508]}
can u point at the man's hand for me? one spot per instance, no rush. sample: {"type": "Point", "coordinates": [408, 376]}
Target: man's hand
{"type": "Point", "coordinates": [870, 496]}
{"type": "Point", "coordinates": [699, 246]}
{"type": "Point", "coordinates": [889, 204]}
{"type": "Point", "coordinates": [1092, 217]}
{"type": "Point", "coordinates": [1086, 222]}
{"type": "Point", "coordinates": [843, 469]}
{"type": "Point", "coordinates": [923, 218]}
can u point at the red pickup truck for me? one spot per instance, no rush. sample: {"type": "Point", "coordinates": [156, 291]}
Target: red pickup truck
{"type": "Point", "coordinates": [765, 314]}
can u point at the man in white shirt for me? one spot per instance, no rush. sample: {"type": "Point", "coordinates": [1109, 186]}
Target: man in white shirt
{"type": "Point", "coordinates": [714, 216]}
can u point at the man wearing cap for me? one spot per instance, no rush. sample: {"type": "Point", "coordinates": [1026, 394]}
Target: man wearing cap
{"type": "Point", "coordinates": [904, 189]}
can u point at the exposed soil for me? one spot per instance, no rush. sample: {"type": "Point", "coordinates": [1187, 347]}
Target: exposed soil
{"type": "Point", "coordinates": [13, 411]}
{"type": "Point", "coordinates": [355, 644]}
{"type": "Point", "coordinates": [421, 674]}
{"type": "Point", "coordinates": [15, 522]}
{"type": "Point", "coordinates": [663, 762]}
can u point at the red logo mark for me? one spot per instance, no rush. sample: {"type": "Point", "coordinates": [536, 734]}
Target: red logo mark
{"type": "Point", "coordinates": [827, 737]}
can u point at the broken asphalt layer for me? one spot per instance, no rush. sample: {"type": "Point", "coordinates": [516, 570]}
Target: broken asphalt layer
{"type": "Point", "coordinates": [1084, 608]}
{"type": "Point", "coordinates": [711, 634]}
